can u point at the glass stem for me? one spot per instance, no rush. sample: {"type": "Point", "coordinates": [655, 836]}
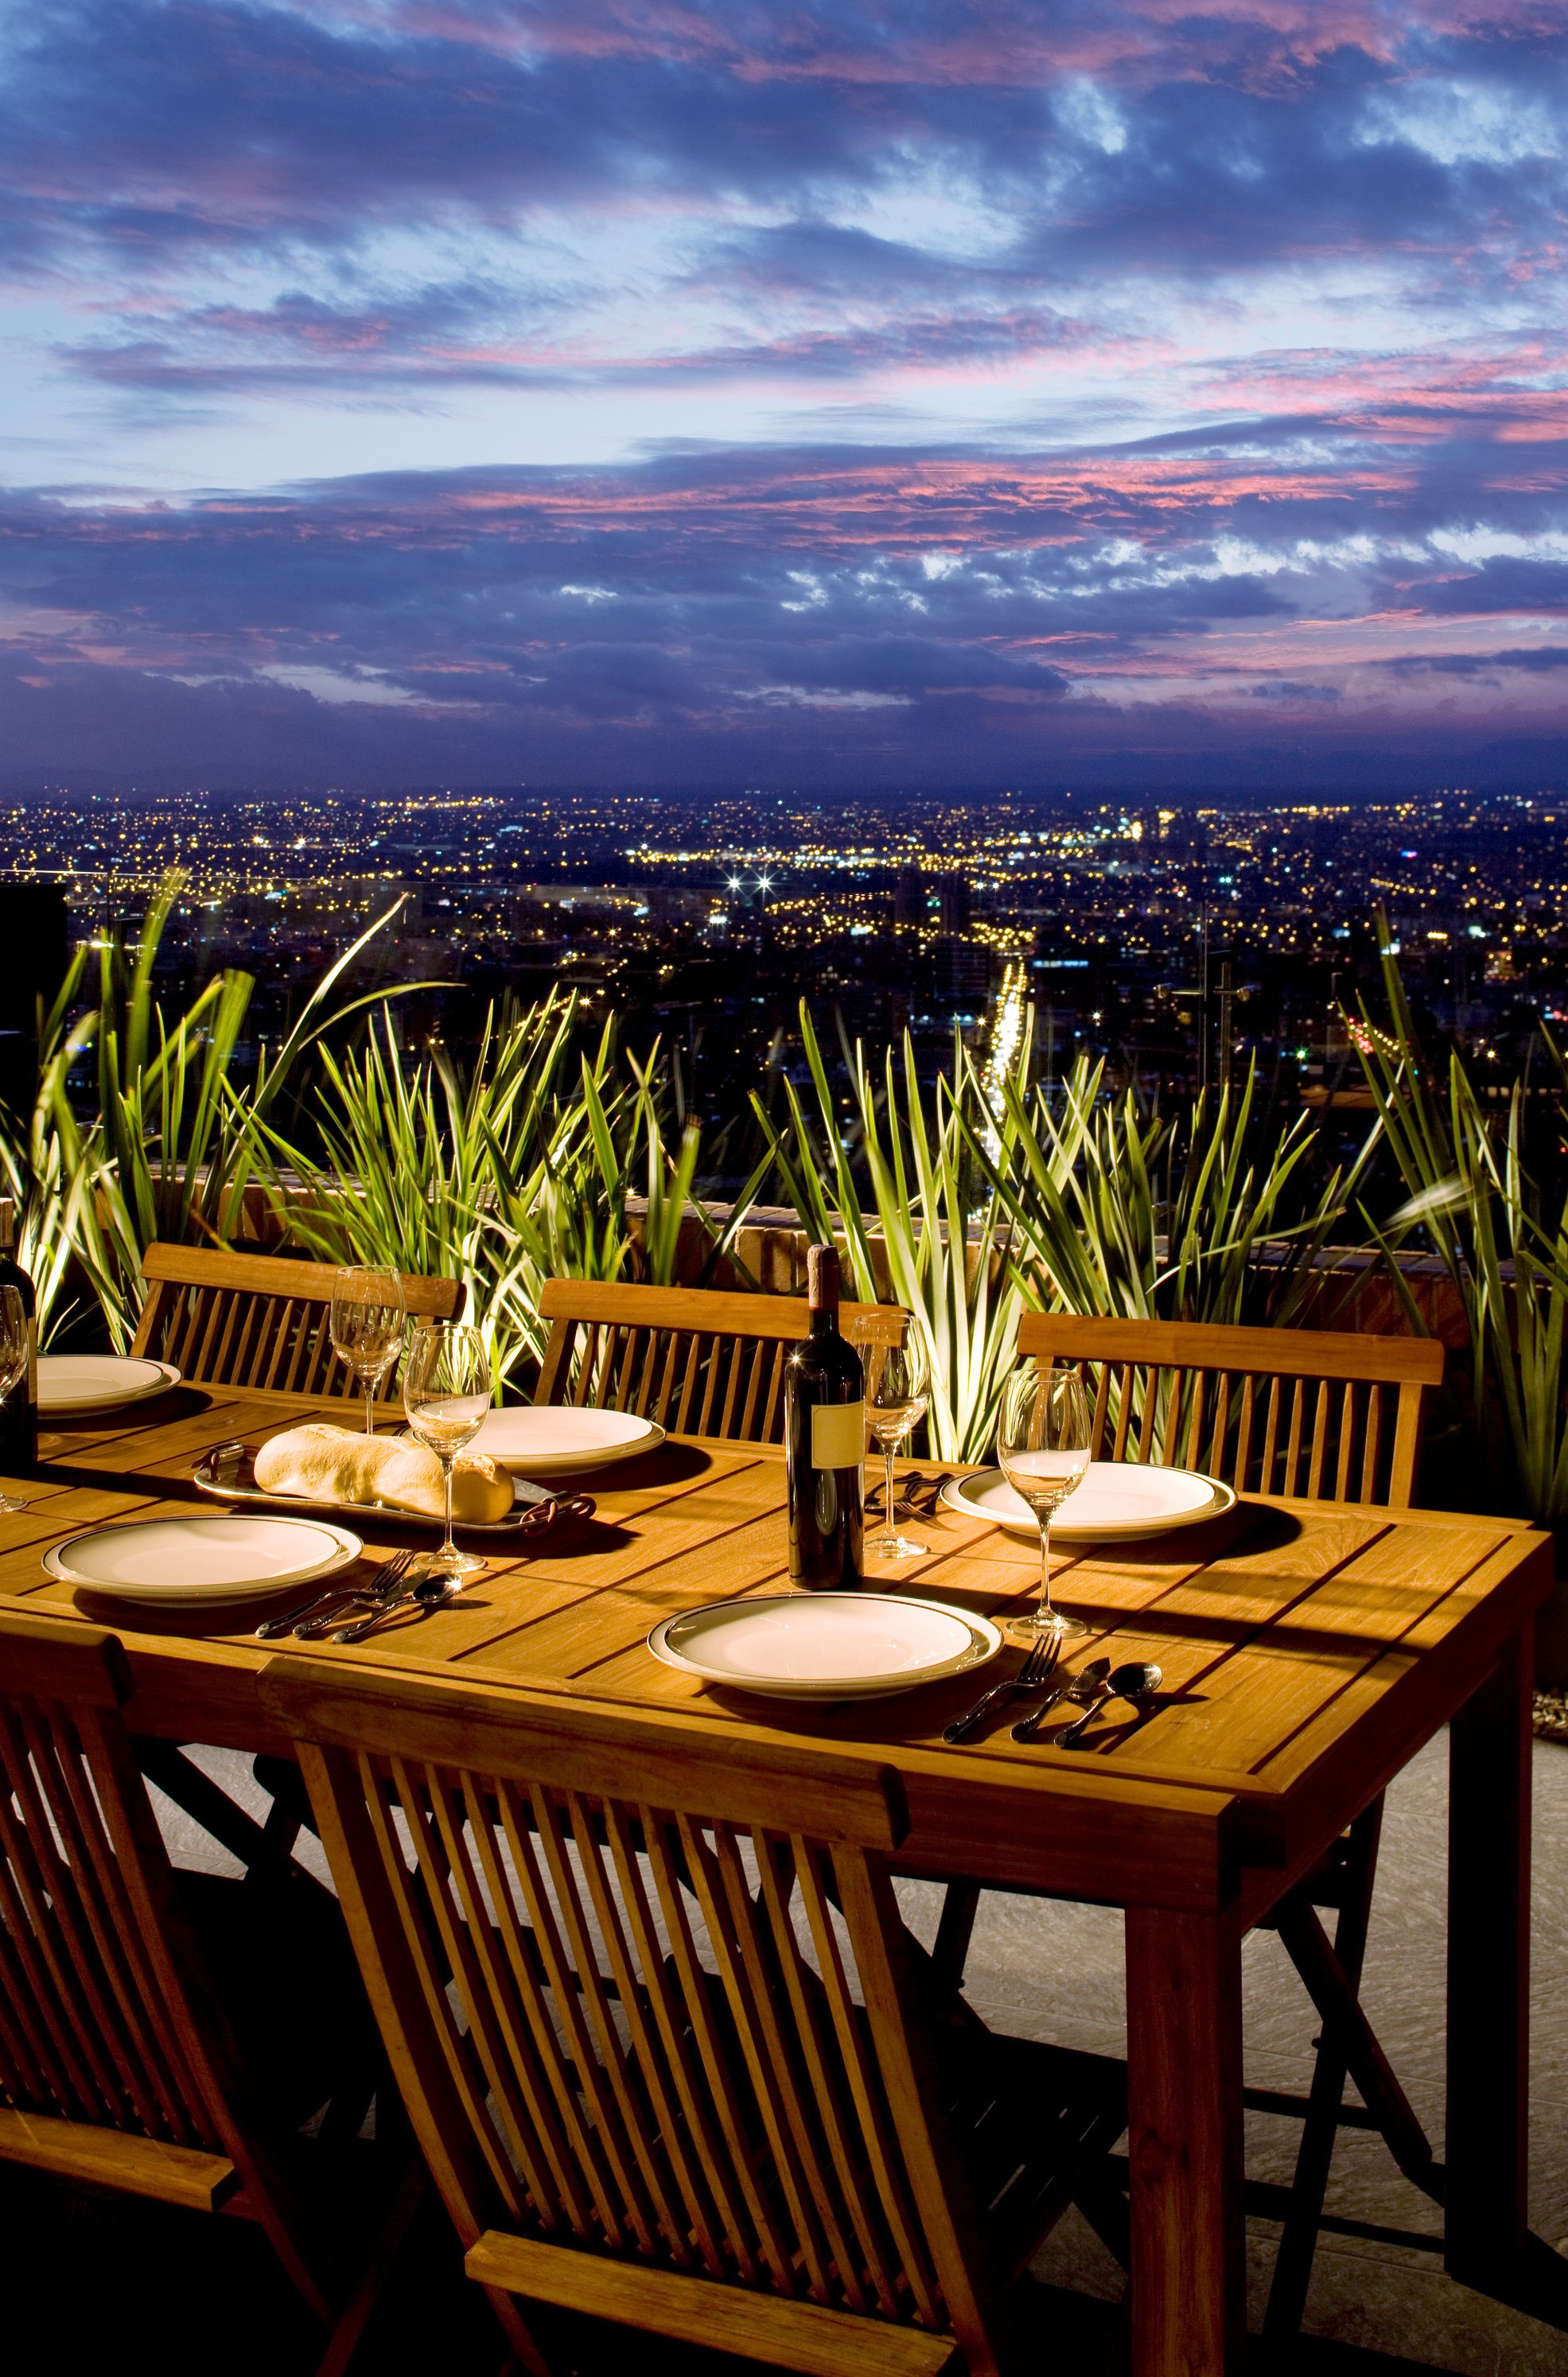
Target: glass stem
{"type": "Point", "coordinates": [887, 1457]}
{"type": "Point", "coordinates": [369, 1405]}
{"type": "Point", "coordinates": [448, 1550]}
{"type": "Point", "coordinates": [1046, 1609]}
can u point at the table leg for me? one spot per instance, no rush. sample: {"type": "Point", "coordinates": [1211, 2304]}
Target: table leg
{"type": "Point", "coordinates": [1184, 2131]}
{"type": "Point", "coordinates": [1489, 1969]}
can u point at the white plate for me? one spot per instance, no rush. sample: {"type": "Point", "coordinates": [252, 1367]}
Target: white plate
{"type": "Point", "coordinates": [835, 1646]}
{"type": "Point", "coordinates": [74, 1386]}
{"type": "Point", "coordinates": [1118, 1503]}
{"type": "Point", "coordinates": [202, 1561]}
{"type": "Point", "coordinates": [558, 1440]}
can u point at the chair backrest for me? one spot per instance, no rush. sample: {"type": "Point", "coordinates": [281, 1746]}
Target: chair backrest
{"type": "Point", "coordinates": [696, 1360]}
{"type": "Point", "coordinates": [646, 1991]}
{"type": "Point", "coordinates": [1304, 1412]}
{"type": "Point", "coordinates": [114, 2066]}
{"type": "Point", "coordinates": [260, 1321]}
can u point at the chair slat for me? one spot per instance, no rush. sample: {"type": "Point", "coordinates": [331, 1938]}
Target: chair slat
{"type": "Point", "coordinates": [1293, 1444]}
{"type": "Point", "coordinates": [1371, 1443]}
{"type": "Point", "coordinates": [1320, 1439]}
{"type": "Point", "coordinates": [1347, 1441]}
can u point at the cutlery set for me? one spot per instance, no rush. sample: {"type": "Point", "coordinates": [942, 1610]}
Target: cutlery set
{"type": "Point", "coordinates": [325, 1617]}
{"type": "Point", "coordinates": [1137, 1681]}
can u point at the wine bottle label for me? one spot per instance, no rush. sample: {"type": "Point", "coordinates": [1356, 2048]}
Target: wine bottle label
{"type": "Point", "coordinates": [838, 1435]}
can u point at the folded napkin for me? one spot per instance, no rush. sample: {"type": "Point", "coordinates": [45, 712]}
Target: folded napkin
{"type": "Point", "coordinates": [322, 1464]}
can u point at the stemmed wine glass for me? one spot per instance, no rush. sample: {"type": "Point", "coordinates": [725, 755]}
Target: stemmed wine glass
{"type": "Point", "coordinates": [1043, 1443]}
{"type": "Point", "coordinates": [16, 1351]}
{"type": "Point", "coordinates": [895, 1399]}
{"type": "Point", "coordinates": [445, 1395]}
{"type": "Point", "coordinates": [367, 1326]}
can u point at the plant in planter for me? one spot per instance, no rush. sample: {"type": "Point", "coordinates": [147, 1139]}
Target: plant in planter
{"type": "Point", "coordinates": [925, 1189]}
{"type": "Point", "coordinates": [1118, 1212]}
{"type": "Point", "coordinates": [173, 1141]}
{"type": "Point", "coordinates": [1502, 1236]}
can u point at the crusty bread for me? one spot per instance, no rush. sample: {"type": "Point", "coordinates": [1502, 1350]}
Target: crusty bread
{"type": "Point", "coordinates": [412, 1481]}
{"type": "Point", "coordinates": [322, 1464]}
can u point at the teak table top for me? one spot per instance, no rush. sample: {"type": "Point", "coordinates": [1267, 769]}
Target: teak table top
{"type": "Point", "coordinates": [1308, 1648]}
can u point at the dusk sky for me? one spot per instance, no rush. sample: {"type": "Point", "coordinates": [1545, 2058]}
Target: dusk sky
{"type": "Point", "coordinates": [939, 393]}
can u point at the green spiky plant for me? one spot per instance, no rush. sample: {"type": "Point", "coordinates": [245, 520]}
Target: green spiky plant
{"type": "Point", "coordinates": [503, 1173]}
{"type": "Point", "coordinates": [174, 1142]}
{"type": "Point", "coordinates": [1502, 1238]}
{"type": "Point", "coordinates": [410, 1154]}
{"type": "Point", "coordinates": [915, 1150]}
{"type": "Point", "coordinates": [1116, 1211]}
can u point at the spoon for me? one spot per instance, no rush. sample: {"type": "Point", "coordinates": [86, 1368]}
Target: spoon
{"type": "Point", "coordinates": [431, 1592]}
{"type": "Point", "coordinates": [1133, 1681]}
{"type": "Point", "coordinates": [1089, 1680]}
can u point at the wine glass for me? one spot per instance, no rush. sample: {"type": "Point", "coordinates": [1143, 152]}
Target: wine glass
{"type": "Point", "coordinates": [15, 1352]}
{"type": "Point", "coordinates": [367, 1326]}
{"type": "Point", "coordinates": [895, 1399]}
{"type": "Point", "coordinates": [1043, 1444]}
{"type": "Point", "coordinates": [445, 1395]}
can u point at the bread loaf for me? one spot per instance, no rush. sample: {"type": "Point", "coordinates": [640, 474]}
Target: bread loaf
{"type": "Point", "coordinates": [412, 1481]}
{"type": "Point", "coordinates": [322, 1464]}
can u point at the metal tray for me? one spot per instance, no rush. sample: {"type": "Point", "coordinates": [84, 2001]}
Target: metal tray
{"type": "Point", "coordinates": [227, 1472]}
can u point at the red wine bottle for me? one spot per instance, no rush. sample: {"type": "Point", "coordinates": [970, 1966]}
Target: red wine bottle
{"type": "Point", "coordinates": [18, 1413]}
{"type": "Point", "coordinates": [825, 1441]}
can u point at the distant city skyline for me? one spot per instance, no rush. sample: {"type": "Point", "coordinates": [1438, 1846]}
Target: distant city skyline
{"type": "Point", "coordinates": [1149, 939]}
{"type": "Point", "coordinates": [956, 393]}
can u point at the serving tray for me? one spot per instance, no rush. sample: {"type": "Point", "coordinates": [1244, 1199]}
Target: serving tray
{"type": "Point", "coordinates": [227, 1472]}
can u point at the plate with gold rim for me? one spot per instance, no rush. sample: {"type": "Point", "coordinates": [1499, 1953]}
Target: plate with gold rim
{"type": "Point", "coordinates": [201, 1561]}
{"type": "Point", "coordinates": [825, 1646]}
{"type": "Point", "coordinates": [1118, 1503]}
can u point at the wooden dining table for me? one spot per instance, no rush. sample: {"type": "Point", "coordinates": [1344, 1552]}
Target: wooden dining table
{"type": "Point", "coordinates": [1308, 1650]}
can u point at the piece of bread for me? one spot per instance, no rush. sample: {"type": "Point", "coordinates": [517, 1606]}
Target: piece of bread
{"type": "Point", "coordinates": [412, 1481]}
{"type": "Point", "coordinates": [323, 1463]}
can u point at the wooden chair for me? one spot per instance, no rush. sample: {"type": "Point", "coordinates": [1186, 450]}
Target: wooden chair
{"type": "Point", "coordinates": [1303, 1412]}
{"type": "Point", "coordinates": [260, 1321]}
{"type": "Point", "coordinates": [695, 1360]}
{"type": "Point", "coordinates": [1317, 1414]}
{"type": "Point", "coordinates": [119, 2062]}
{"type": "Point", "coordinates": [664, 2040]}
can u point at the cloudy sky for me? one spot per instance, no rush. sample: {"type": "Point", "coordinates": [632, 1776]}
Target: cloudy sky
{"type": "Point", "coordinates": [831, 392]}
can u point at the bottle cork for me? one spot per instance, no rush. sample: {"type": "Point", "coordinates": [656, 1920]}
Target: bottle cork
{"type": "Point", "coordinates": [822, 1278]}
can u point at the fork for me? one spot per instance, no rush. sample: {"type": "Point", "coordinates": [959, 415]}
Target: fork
{"type": "Point", "coordinates": [1034, 1671]}
{"type": "Point", "coordinates": [313, 1612]}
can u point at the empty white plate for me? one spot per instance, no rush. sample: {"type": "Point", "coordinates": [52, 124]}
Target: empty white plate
{"type": "Point", "coordinates": [559, 1440]}
{"type": "Point", "coordinates": [202, 1560]}
{"type": "Point", "coordinates": [77, 1385]}
{"type": "Point", "coordinates": [835, 1646]}
{"type": "Point", "coordinates": [1118, 1503]}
